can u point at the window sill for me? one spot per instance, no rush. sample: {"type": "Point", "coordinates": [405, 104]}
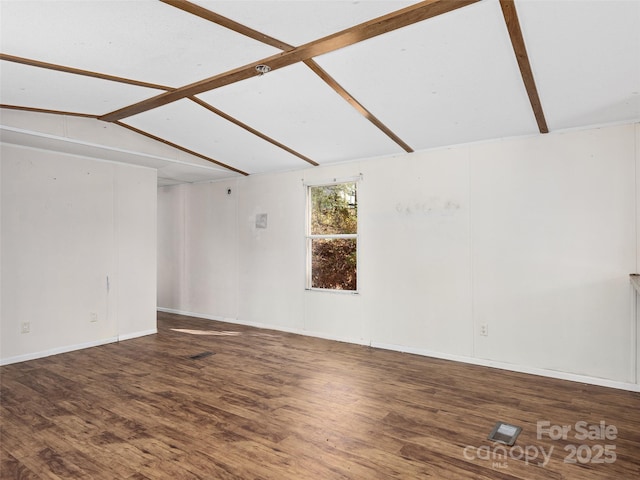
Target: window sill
{"type": "Point", "coordinates": [339, 292]}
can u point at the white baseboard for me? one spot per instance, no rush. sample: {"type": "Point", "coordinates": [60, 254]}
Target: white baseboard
{"type": "Point", "coordinates": [71, 348]}
{"type": "Point", "coordinates": [194, 314]}
{"type": "Point", "coordinates": [144, 333]}
{"type": "Point", "coordinates": [265, 326]}
{"type": "Point", "coordinates": [56, 351]}
{"type": "Point", "coordinates": [573, 377]}
{"type": "Point", "coordinates": [603, 382]}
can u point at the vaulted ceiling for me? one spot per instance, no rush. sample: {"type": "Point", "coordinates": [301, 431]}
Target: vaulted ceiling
{"type": "Point", "coordinates": [231, 88]}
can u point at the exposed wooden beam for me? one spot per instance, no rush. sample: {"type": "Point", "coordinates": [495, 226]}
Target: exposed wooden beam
{"type": "Point", "coordinates": [378, 26]}
{"type": "Point", "coordinates": [329, 80]}
{"type": "Point", "coordinates": [179, 147]}
{"type": "Point", "coordinates": [77, 71]}
{"type": "Point", "coordinates": [519, 48]}
{"type": "Point", "coordinates": [227, 23]}
{"type": "Point", "coordinates": [246, 127]}
{"type": "Point", "coordinates": [274, 42]}
{"type": "Point", "coordinates": [44, 110]}
{"type": "Point", "coordinates": [129, 127]}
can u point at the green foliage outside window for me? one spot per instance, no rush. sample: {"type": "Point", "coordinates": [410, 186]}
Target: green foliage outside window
{"type": "Point", "coordinates": [334, 213]}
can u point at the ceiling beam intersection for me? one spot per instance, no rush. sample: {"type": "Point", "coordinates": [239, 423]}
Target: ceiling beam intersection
{"type": "Point", "coordinates": [372, 28]}
{"type": "Point", "coordinates": [274, 42]}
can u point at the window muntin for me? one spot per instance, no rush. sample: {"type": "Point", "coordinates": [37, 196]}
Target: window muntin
{"type": "Point", "coordinates": [332, 238]}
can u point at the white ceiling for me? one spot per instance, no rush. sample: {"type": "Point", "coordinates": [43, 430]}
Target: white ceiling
{"type": "Point", "coordinates": [445, 80]}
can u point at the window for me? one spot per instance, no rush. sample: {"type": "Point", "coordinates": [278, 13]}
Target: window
{"type": "Point", "coordinates": [332, 236]}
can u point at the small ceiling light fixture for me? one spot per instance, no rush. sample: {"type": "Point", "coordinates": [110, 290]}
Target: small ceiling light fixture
{"type": "Point", "coordinates": [262, 69]}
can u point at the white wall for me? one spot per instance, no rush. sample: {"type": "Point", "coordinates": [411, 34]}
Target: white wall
{"type": "Point", "coordinates": [171, 232]}
{"type": "Point", "coordinates": [534, 236]}
{"type": "Point", "coordinates": [554, 242]}
{"type": "Point", "coordinates": [68, 223]}
{"type": "Point", "coordinates": [198, 248]}
{"type": "Point", "coordinates": [135, 231]}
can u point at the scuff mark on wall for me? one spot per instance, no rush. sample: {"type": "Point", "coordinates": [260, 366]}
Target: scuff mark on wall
{"type": "Point", "coordinates": [433, 206]}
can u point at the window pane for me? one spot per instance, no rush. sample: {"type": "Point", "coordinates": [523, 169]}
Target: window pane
{"type": "Point", "coordinates": [333, 263]}
{"type": "Point", "coordinates": [334, 209]}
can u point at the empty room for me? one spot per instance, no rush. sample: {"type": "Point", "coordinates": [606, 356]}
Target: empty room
{"type": "Point", "coordinates": [320, 239]}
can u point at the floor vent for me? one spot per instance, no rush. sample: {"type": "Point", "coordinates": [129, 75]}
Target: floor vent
{"type": "Point", "coordinates": [505, 433]}
{"type": "Point", "coordinates": [198, 356]}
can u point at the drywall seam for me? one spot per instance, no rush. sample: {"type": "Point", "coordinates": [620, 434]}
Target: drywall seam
{"type": "Point", "coordinates": [634, 306]}
{"type": "Point", "coordinates": [472, 316]}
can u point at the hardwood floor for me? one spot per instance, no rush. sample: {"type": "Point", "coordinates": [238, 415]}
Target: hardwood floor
{"type": "Point", "coordinates": [271, 405]}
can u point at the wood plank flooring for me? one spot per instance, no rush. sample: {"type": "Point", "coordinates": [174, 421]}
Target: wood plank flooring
{"type": "Point", "coordinates": [272, 405]}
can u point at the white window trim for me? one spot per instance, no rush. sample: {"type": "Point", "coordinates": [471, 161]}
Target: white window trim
{"type": "Point", "coordinates": [334, 181]}
{"type": "Point", "coordinates": [309, 237]}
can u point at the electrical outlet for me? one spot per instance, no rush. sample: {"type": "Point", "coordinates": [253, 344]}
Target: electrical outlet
{"type": "Point", "coordinates": [484, 329]}
{"type": "Point", "coordinates": [25, 327]}
{"type": "Point", "coordinates": [93, 316]}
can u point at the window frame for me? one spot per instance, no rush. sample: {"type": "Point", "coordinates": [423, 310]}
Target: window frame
{"type": "Point", "coordinates": [309, 237]}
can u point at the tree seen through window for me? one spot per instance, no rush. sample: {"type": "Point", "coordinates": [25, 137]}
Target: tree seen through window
{"type": "Point", "coordinates": [333, 236]}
